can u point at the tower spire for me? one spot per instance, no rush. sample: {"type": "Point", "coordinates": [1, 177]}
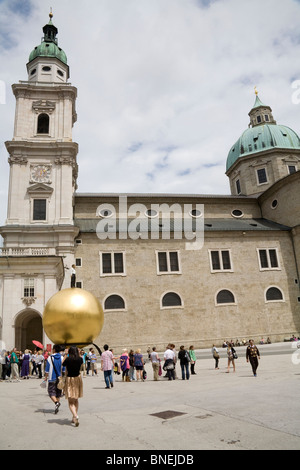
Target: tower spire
{"type": "Point", "coordinates": [50, 31]}
{"type": "Point", "coordinates": [260, 112]}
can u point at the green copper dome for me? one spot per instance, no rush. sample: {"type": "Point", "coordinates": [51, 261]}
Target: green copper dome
{"type": "Point", "coordinates": [260, 138]}
{"type": "Point", "coordinates": [49, 46]}
{"type": "Point", "coordinates": [46, 49]}
{"type": "Point", "coordinates": [264, 134]}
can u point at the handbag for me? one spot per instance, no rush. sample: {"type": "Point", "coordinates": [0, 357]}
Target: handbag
{"type": "Point", "coordinates": [61, 382]}
{"type": "Point", "coordinates": [235, 356]}
{"type": "Point", "coordinates": [168, 365]}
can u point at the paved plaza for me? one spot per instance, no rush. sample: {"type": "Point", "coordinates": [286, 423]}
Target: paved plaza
{"type": "Point", "coordinates": [213, 410]}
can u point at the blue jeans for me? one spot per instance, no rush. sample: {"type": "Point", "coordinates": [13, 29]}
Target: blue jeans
{"type": "Point", "coordinates": [185, 371]}
{"type": "Point", "coordinates": [131, 373]}
{"type": "Point", "coordinates": [108, 377]}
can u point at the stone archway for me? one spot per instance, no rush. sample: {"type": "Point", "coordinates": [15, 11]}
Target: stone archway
{"type": "Point", "coordinates": [28, 327]}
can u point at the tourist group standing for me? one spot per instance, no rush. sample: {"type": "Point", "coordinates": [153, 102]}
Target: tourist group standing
{"type": "Point", "coordinates": [16, 365]}
{"type": "Point", "coordinates": [64, 369]}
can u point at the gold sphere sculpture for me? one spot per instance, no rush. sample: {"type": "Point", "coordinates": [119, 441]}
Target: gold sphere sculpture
{"type": "Point", "coordinates": [73, 316]}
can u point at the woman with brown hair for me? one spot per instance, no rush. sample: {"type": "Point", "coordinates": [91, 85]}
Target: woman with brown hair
{"type": "Point", "coordinates": [73, 387]}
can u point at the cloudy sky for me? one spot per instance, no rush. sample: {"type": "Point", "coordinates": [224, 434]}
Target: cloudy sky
{"type": "Point", "coordinates": [164, 86]}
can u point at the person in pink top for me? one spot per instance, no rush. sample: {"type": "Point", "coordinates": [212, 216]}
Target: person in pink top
{"type": "Point", "coordinates": [107, 364]}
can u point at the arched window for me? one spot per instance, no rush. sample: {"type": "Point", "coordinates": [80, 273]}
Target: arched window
{"type": "Point", "coordinates": [171, 299]}
{"type": "Point", "coordinates": [225, 297]}
{"type": "Point", "coordinates": [43, 124]}
{"type": "Point", "coordinates": [114, 302]}
{"type": "Point", "coordinates": [273, 293]}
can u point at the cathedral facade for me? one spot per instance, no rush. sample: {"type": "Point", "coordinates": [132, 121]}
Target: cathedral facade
{"type": "Point", "coordinates": [187, 268]}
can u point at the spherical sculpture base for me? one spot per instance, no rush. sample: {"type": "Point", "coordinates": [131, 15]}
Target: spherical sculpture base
{"type": "Point", "coordinates": [73, 316]}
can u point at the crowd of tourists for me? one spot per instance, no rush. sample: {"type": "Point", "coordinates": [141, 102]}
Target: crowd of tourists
{"type": "Point", "coordinates": [16, 365]}
{"type": "Point", "coordinates": [64, 368]}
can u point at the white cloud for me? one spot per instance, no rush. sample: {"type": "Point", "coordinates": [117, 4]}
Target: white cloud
{"type": "Point", "coordinates": [164, 86]}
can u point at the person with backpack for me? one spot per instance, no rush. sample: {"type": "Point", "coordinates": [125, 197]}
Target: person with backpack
{"type": "Point", "coordinates": [125, 366]}
{"type": "Point", "coordinates": [131, 364]}
{"type": "Point", "coordinates": [185, 359]}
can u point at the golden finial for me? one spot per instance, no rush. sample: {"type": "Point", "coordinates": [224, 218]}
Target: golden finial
{"type": "Point", "coordinates": [255, 89]}
{"type": "Point", "coordinates": [50, 14]}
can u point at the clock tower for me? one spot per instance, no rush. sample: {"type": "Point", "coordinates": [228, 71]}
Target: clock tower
{"type": "Point", "coordinates": [39, 232]}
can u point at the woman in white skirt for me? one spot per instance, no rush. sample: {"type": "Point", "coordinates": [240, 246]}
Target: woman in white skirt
{"type": "Point", "coordinates": [73, 387]}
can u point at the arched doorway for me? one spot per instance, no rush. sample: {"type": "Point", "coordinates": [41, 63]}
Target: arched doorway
{"type": "Point", "coordinates": [28, 327]}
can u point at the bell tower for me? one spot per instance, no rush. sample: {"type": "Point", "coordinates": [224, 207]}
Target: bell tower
{"type": "Point", "coordinates": [42, 155]}
{"type": "Point", "coordinates": [39, 230]}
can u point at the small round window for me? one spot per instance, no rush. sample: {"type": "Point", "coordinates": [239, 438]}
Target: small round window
{"type": "Point", "coordinates": [237, 213]}
{"type": "Point", "coordinates": [274, 204]}
{"type": "Point", "coordinates": [105, 213]}
{"type": "Point", "coordinates": [60, 73]}
{"type": "Point", "coordinates": [46, 68]}
{"type": "Point", "coordinates": [195, 213]}
{"type": "Point", "coordinates": [33, 72]}
{"type": "Point", "coordinates": [151, 213]}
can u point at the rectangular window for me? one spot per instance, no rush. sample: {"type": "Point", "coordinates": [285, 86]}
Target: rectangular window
{"type": "Point", "coordinates": [174, 265]}
{"type": "Point", "coordinates": [262, 176]}
{"type": "Point", "coordinates": [39, 209]}
{"type": "Point", "coordinates": [263, 259]}
{"type": "Point", "coordinates": [167, 262]}
{"type": "Point", "coordinates": [112, 264]}
{"type": "Point", "coordinates": [238, 186]}
{"type": "Point", "coordinates": [292, 169]}
{"type": "Point", "coordinates": [78, 262]}
{"type": "Point", "coordinates": [215, 260]}
{"type": "Point", "coordinates": [273, 258]}
{"type": "Point", "coordinates": [28, 287]}
{"type": "Point", "coordinates": [268, 259]}
{"type": "Point", "coordinates": [162, 262]}
{"type": "Point", "coordinates": [106, 263]}
{"type": "Point", "coordinates": [226, 260]}
{"type": "Point", "coordinates": [220, 260]}
{"type": "Point", "coordinates": [79, 284]}
{"type": "Point", "coordinates": [118, 262]}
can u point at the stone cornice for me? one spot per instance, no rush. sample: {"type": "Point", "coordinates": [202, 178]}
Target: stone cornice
{"type": "Point", "coordinates": [9, 228]}
{"type": "Point", "coordinates": [26, 89]}
{"type": "Point", "coordinates": [255, 156]}
{"type": "Point", "coordinates": [26, 147]}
